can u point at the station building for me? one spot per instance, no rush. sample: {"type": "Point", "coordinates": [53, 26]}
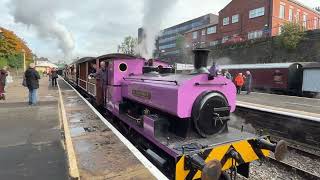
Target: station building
{"type": "Point", "coordinates": [243, 20]}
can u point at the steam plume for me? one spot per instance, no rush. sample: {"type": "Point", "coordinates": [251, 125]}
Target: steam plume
{"type": "Point", "coordinates": [42, 16]}
{"type": "Point", "coordinates": [154, 13]}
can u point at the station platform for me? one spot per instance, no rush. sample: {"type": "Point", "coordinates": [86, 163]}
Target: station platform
{"type": "Point", "coordinates": [30, 138]}
{"type": "Point", "coordinates": [101, 151]}
{"type": "Point", "coordinates": [299, 107]}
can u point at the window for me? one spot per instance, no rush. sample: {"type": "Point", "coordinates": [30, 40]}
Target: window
{"type": "Point", "coordinates": [315, 23]}
{"type": "Point", "coordinates": [225, 21]}
{"type": "Point", "coordinates": [298, 16]}
{"type": "Point", "coordinates": [213, 43]}
{"type": "Point", "coordinates": [235, 18]}
{"type": "Point", "coordinates": [225, 39]}
{"type": "Point", "coordinates": [255, 34]}
{"type": "Point", "coordinates": [280, 29]}
{"type": "Point", "coordinates": [203, 44]}
{"type": "Point", "coordinates": [212, 30]}
{"type": "Point", "coordinates": [282, 11]}
{"type": "Point", "coordinates": [256, 13]}
{"type": "Point", "coordinates": [167, 46]}
{"type": "Point", "coordinates": [195, 35]}
{"type": "Point", "coordinates": [290, 15]}
{"type": "Point", "coordinates": [167, 39]}
{"type": "Point", "coordinates": [203, 32]}
{"type": "Point", "coordinates": [304, 24]}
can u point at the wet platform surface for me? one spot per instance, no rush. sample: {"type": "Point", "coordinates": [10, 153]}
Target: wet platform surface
{"type": "Point", "coordinates": [293, 104]}
{"type": "Point", "coordinates": [100, 153]}
{"type": "Point", "coordinates": [30, 141]}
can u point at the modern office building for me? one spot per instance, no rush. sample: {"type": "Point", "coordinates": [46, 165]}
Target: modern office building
{"type": "Point", "coordinates": [166, 46]}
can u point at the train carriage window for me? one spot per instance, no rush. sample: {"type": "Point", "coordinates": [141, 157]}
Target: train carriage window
{"type": "Point", "coordinates": [123, 67]}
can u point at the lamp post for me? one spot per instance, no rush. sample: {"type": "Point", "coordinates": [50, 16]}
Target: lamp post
{"type": "Point", "coordinates": [1, 35]}
{"type": "Point", "coordinates": [24, 59]}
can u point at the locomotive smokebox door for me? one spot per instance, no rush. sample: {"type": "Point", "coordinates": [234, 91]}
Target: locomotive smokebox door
{"type": "Point", "coordinates": [210, 113]}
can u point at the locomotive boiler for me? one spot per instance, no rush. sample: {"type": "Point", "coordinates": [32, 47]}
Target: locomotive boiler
{"type": "Point", "coordinates": [179, 121]}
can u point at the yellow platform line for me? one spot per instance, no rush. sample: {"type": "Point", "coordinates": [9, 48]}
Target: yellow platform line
{"type": "Point", "coordinates": [72, 160]}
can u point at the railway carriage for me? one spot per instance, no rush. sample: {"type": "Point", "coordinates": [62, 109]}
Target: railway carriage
{"type": "Point", "coordinates": [179, 121]}
{"type": "Point", "coordinates": [283, 77]}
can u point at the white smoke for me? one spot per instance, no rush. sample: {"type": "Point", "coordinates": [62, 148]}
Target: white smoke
{"type": "Point", "coordinates": [154, 13]}
{"type": "Point", "coordinates": [41, 15]}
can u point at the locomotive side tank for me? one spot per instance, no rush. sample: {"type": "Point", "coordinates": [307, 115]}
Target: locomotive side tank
{"type": "Point", "coordinates": [188, 97]}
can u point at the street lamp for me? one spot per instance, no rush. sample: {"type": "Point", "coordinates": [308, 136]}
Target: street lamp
{"type": "Point", "coordinates": [1, 32]}
{"type": "Point", "coordinates": [24, 59]}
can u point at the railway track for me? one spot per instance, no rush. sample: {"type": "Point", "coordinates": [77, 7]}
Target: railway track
{"type": "Point", "coordinates": [299, 171]}
{"type": "Point", "coordinates": [305, 151]}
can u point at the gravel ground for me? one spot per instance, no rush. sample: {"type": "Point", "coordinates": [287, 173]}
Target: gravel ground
{"type": "Point", "coordinates": [270, 171]}
{"type": "Point", "coordinates": [303, 162]}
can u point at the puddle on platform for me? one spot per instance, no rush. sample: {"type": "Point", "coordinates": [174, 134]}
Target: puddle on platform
{"type": "Point", "coordinates": [48, 96]}
{"type": "Point", "coordinates": [83, 146]}
{"type": "Point", "coordinates": [76, 118]}
{"type": "Point", "coordinates": [77, 131]}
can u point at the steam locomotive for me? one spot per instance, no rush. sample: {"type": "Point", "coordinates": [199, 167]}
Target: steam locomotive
{"type": "Point", "coordinates": [179, 121]}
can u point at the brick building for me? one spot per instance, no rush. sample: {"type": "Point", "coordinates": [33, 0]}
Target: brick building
{"type": "Point", "coordinates": [250, 19]}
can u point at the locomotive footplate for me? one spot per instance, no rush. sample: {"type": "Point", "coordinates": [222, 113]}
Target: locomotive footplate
{"type": "Point", "coordinates": [233, 150]}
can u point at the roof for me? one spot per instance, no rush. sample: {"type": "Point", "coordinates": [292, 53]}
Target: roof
{"type": "Point", "coordinates": [242, 66]}
{"type": "Point", "coordinates": [313, 65]}
{"type": "Point", "coordinates": [257, 66]}
{"type": "Point", "coordinates": [116, 56]}
{"type": "Point", "coordinates": [302, 5]}
{"type": "Point", "coordinates": [84, 59]}
{"type": "Point", "coordinates": [210, 15]}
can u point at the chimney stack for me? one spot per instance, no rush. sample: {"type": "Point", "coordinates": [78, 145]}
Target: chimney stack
{"type": "Point", "coordinates": [200, 61]}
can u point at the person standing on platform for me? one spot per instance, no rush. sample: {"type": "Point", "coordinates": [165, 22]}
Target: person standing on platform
{"type": "Point", "coordinates": [3, 80]}
{"type": "Point", "coordinates": [32, 81]}
{"type": "Point", "coordinates": [239, 81]}
{"type": "Point", "coordinates": [227, 74]}
{"type": "Point", "coordinates": [248, 83]}
{"type": "Point", "coordinates": [54, 77]}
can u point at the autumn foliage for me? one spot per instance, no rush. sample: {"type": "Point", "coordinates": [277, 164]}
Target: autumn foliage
{"type": "Point", "coordinates": [12, 47]}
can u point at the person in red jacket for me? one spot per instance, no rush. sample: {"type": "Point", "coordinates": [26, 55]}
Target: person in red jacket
{"type": "Point", "coordinates": [239, 81]}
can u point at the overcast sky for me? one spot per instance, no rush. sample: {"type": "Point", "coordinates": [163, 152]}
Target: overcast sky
{"type": "Point", "coordinates": [98, 26]}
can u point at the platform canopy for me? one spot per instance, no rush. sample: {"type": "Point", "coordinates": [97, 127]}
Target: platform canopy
{"type": "Point", "coordinates": [46, 64]}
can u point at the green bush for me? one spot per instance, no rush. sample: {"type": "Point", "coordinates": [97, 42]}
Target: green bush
{"type": "Point", "coordinates": [3, 62]}
{"type": "Point", "coordinates": [292, 34]}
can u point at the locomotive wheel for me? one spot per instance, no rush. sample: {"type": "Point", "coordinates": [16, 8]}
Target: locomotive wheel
{"type": "Point", "coordinates": [206, 117]}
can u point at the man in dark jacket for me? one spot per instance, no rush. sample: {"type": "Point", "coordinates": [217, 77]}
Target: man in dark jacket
{"type": "Point", "coordinates": [54, 76]}
{"type": "Point", "coordinates": [32, 81]}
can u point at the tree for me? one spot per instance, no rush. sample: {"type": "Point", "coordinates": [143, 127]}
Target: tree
{"type": "Point", "coordinates": [128, 46]}
{"type": "Point", "coordinates": [317, 9]}
{"type": "Point", "coordinates": [291, 35]}
{"type": "Point", "coordinates": [12, 45]}
{"type": "Point", "coordinates": [181, 47]}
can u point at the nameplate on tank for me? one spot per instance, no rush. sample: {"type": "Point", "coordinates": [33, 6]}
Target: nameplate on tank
{"type": "Point", "coordinates": [141, 94]}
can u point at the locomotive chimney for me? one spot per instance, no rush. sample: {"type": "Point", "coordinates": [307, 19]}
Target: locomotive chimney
{"type": "Point", "coordinates": [200, 61]}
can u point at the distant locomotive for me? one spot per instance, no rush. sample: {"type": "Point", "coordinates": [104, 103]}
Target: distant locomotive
{"type": "Point", "coordinates": [179, 121]}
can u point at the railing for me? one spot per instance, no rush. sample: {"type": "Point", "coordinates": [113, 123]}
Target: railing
{"type": "Point", "coordinates": [91, 88]}
{"type": "Point", "coordinates": [80, 85]}
{"type": "Point", "coordinates": [144, 79]}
